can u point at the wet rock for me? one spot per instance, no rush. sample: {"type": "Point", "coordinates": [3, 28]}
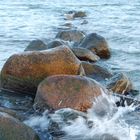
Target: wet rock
{"type": "Point", "coordinates": [36, 45]}
{"type": "Point", "coordinates": [85, 54]}
{"type": "Point", "coordinates": [55, 43]}
{"type": "Point", "coordinates": [23, 72]}
{"type": "Point", "coordinates": [120, 83]}
{"type": "Point", "coordinates": [71, 35]}
{"type": "Point", "coordinates": [123, 100]}
{"type": "Point", "coordinates": [105, 137]}
{"type": "Point", "coordinates": [61, 118]}
{"type": "Point", "coordinates": [67, 114]}
{"type": "Point", "coordinates": [96, 43]}
{"type": "Point", "coordinates": [78, 14]}
{"type": "Point", "coordinates": [75, 14]}
{"type": "Point", "coordinates": [11, 112]}
{"type": "Point", "coordinates": [13, 129]}
{"type": "Point", "coordinates": [96, 137]}
{"type": "Point", "coordinates": [96, 72]}
{"type": "Point", "coordinates": [67, 91]}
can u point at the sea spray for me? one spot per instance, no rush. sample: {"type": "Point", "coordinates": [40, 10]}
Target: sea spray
{"type": "Point", "coordinates": [103, 121]}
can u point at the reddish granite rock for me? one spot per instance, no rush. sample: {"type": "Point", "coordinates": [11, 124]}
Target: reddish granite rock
{"type": "Point", "coordinates": [67, 91]}
{"type": "Point", "coordinates": [23, 72]}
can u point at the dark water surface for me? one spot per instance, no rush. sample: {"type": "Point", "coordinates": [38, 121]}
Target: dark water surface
{"type": "Point", "coordinates": [117, 20]}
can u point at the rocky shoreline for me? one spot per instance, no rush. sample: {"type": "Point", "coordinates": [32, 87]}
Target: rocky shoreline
{"type": "Point", "coordinates": [65, 73]}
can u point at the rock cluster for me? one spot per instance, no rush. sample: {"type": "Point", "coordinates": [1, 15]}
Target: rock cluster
{"type": "Point", "coordinates": [59, 75]}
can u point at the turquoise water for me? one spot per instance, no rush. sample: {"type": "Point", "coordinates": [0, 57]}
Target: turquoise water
{"type": "Point", "coordinates": [116, 20]}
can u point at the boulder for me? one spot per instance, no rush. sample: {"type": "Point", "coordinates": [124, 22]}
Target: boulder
{"type": "Point", "coordinates": [23, 72]}
{"type": "Point", "coordinates": [67, 91]}
{"type": "Point", "coordinates": [120, 83]}
{"type": "Point", "coordinates": [55, 43]}
{"type": "Point", "coordinates": [71, 35]}
{"type": "Point", "coordinates": [79, 14]}
{"type": "Point", "coordinates": [96, 72]}
{"type": "Point", "coordinates": [97, 44]}
{"type": "Point", "coordinates": [13, 129]}
{"type": "Point", "coordinates": [36, 45]}
{"type": "Point", "coordinates": [85, 54]}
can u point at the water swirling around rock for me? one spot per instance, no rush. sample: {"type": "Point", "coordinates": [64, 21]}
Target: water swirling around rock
{"type": "Point", "coordinates": [104, 121]}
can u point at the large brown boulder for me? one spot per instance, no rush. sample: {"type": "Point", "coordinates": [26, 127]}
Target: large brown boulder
{"type": "Point", "coordinates": [120, 83]}
{"type": "Point", "coordinates": [23, 72]}
{"type": "Point", "coordinates": [85, 54]}
{"type": "Point", "coordinates": [67, 91]}
{"type": "Point", "coordinates": [96, 72]}
{"type": "Point", "coordinates": [97, 44]}
{"type": "Point", "coordinates": [13, 129]}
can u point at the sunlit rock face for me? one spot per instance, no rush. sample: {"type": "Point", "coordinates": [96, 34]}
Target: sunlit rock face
{"type": "Point", "coordinates": [97, 44]}
{"type": "Point", "coordinates": [62, 91]}
{"type": "Point", "coordinates": [23, 72]}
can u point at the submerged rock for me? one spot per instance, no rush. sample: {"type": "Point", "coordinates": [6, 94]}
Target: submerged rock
{"type": "Point", "coordinates": [75, 14]}
{"type": "Point", "coordinates": [120, 83]}
{"type": "Point", "coordinates": [85, 54]}
{"type": "Point", "coordinates": [96, 72]}
{"type": "Point", "coordinates": [97, 44]}
{"type": "Point", "coordinates": [67, 91]}
{"type": "Point", "coordinates": [105, 137]}
{"type": "Point", "coordinates": [71, 35]}
{"type": "Point", "coordinates": [78, 14]}
{"type": "Point", "coordinates": [23, 72]}
{"type": "Point", "coordinates": [36, 45]}
{"type": "Point", "coordinates": [13, 129]}
{"type": "Point", "coordinates": [62, 117]}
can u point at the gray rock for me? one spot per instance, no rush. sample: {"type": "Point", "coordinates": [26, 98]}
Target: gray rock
{"type": "Point", "coordinates": [61, 118]}
{"type": "Point", "coordinates": [71, 35]}
{"type": "Point", "coordinates": [55, 43]}
{"type": "Point", "coordinates": [96, 72]}
{"type": "Point", "coordinates": [36, 45]}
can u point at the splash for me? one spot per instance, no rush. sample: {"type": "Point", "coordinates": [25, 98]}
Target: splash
{"type": "Point", "coordinates": [104, 121]}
